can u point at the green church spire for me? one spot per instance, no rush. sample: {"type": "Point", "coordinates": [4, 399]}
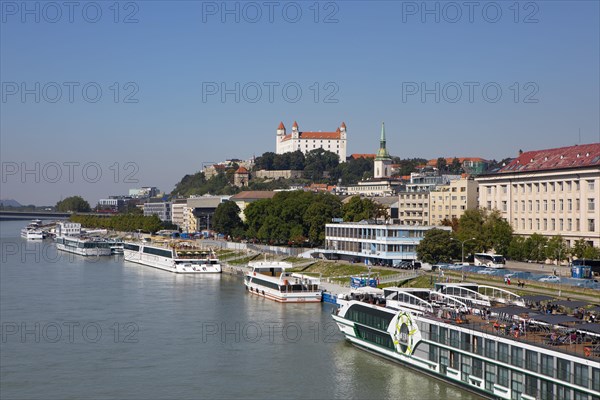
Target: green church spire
{"type": "Point", "coordinates": [382, 154]}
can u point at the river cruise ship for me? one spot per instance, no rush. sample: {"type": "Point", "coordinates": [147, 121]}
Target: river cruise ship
{"type": "Point", "coordinates": [179, 257]}
{"type": "Point", "coordinates": [84, 246]}
{"type": "Point", "coordinates": [272, 281]}
{"type": "Point", "coordinates": [33, 231]}
{"type": "Point", "coordinates": [478, 337]}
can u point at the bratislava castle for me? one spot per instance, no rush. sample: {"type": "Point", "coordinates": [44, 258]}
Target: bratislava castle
{"type": "Point", "coordinates": [334, 142]}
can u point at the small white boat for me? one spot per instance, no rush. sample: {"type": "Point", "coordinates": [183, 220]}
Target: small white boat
{"type": "Point", "coordinates": [271, 280]}
{"type": "Point", "coordinates": [33, 230]}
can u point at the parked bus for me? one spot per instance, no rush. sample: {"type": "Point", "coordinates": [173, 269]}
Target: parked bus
{"type": "Point", "coordinates": [489, 260]}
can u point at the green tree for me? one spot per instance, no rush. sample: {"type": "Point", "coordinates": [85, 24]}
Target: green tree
{"type": "Point", "coordinates": [498, 232]}
{"type": "Point", "coordinates": [358, 209]}
{"type": "Point", "coordinates": [227, 218]}
{"type": "Point", "coordinates": [582, 249]}
{"type": "Point", "coordinates": [73, 204]}
{"type": "Point", "coordinates": [455, 166]}
{"type": "Point", "coordinates": [534, 247]}
{"type": "Point", "coordinates": [516, 249]}
{"type": "Point", "coordinates": [556, 249]}
{"type": "Point", "coordinates": [441, 165]}
{"type": "Point", "coordinates": [438, 246]}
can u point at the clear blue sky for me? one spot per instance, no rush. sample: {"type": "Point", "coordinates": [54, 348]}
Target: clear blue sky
{"type": "Point", "coordinates": [372, 57]}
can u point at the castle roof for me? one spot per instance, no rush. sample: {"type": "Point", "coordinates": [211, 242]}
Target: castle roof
{"type": "Point", "coordinates": [241, 170]}
{"type": "Point", "coordinates": [281, 126]}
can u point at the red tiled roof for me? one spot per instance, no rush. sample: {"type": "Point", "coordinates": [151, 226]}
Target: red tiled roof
{"type": "Point", "coordinates": [320, 135]}
{"type": "Point", "coordinates": [356, 156]}
{"type": "Point", "coordinates": [253, 195]}
{"type": "Point", "coordinates": [584, 155]}
{"type": "Point", "coordinates": [241, 170]}
{"type": "Point", "coordinates": [281, 126]}
{"type": "Point", "coordinates": [295, 124]}
{"type": "Point", "coordinates": [449, 160]}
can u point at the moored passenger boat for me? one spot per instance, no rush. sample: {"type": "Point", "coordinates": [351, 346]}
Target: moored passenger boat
{"type": "Point", "coordinates": [84, 246]}
{"type": "Point", "coordinates": [477, 337]}
{"type": "Point", "coordinates": [271, 280]}
{"type": "Point", "coordinates": [33, 231]}
{"type": "Point", "coordinates": [179, 257]}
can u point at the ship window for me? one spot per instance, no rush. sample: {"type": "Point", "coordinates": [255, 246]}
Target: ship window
{"type": "Point", "coordinates": [373, 336]}
{"type": "Point", "coordinates": [157, 252]}
{"type": "Point", "coordinates": [531, 386]}
{"type": "Point", "coordinates": [465, 367]}
{"type": "Point", "coordinates": [368, 316]}
{"type": "Point", "coordinates": [516, 385]}
{"type": "Point", "coordinates": [133, 247]}
{"type": "Point", "coordinates": [442, 337]}
{"type": "Point", "coordinates": [503, 377]}
{"type": "Point", "coordinates": [547, 365]}
{"type": "Point", "coordinates": [503, 353]}
{"type": "Point", "coordinates": [581, 375]}
{"type": "Point", "coordinates": [563, 393]}
{"type": "Point", "coordinates": [596, 379]}
{"type": "Point", "coordinates": [531, 360]}
{"type": "Point", "coordinates": [581, 396]}
{"type": "Point", "coordinates": [433, 333]}
{"type": "Point", "coordinates": [490, 376]}
{"type": "Point", "coordinates": [454, 359]}
{"type": "Point", "coordinates": [477, 345]}
{"type": "Point", "coordinates": [433, 354]}
{"type": "Point", "coordinates": [517, 356]}
{"type": "Point", "coordinates": [477, 369]}
{"type": "Point", "coordinates": [490, 349]}
{"type": "Point", "coordinates": [454, 339]}
{"type": "Point", "coordinates": [547, 391]}
{"type": "Point", "coordinates": [465, 340]}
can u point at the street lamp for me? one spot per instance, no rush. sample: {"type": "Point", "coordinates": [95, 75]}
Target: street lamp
{"type": "Point", "coordinates": [462, 247]}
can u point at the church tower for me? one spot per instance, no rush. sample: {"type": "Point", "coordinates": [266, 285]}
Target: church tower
{"type": "Point", "coordinates": [383, 161]}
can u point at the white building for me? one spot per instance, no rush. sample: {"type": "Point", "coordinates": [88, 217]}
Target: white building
{"type": "Point", "coordinates": [68, 229]}
{"type": "Point", "coordinates": [178, 208]}
{"type": "Point", "coordinates": [335, 142]}
{"type": "Point", "coordinates": [374, 243]}
{"type": "Point", "coordinates": [550, 192]}
{"type": "Point", "coordinates": [452, 200]}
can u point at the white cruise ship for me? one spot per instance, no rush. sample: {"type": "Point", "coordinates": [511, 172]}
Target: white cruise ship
{"type": "Point", "coordinates": [33, 231]}
{"type": "Point", "coordinates": [271, 280]}
{"type": "Point", "coordinates": [83, 246]}
{"type": "Point", "coordinates": [478, 337]}
{"type": "Point", "coordinates": [177, 257]}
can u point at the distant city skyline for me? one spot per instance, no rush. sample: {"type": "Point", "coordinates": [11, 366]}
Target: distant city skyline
{"type": "Point", "coordinates": [97, 100]}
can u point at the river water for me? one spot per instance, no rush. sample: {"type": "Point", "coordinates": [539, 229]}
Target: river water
{"type": "Point", "coordinates": [75, 327]}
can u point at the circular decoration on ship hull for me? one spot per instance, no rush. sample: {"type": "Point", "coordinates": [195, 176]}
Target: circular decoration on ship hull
{"type": "Point", "coordinates": [404, 333]}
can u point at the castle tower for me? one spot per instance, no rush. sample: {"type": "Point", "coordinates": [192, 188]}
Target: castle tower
{"type": "Point", "coordinates": [383, 161]}
{"type": "Point", "coordinates": [279, 137]}
{"type": "Point", "coordinates": [343, 131]}
{"type": "Point", "coordinates": [295, 133]}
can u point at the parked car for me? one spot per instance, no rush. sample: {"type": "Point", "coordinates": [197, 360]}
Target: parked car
{"type": "Point", "coordinates": [550, 279]}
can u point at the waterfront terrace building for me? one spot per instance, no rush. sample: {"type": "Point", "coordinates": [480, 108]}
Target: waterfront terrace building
{"type": "Point", "coordinates": [334, 142]}
{"type": "Point", "coordinates": [372, 243]}
{"type": "Point", "coordinates": [550, 192]}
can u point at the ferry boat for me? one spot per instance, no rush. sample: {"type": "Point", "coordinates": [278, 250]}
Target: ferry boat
{"type": "Point", "coordinates": [33, 230]}
{"type": "Point", "coordinates": [271, 280]}
{"type": "Point", "coordinates": [84, 246]}
{"type": "Point", "coordinates": [177, 257]}
{"type": "Point", "coordinates": [478, 337]}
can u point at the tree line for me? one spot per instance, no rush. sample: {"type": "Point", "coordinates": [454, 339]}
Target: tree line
{"type": "Point", "coordinates": [122, 222]}
{"type": "Point", "coordinates": [294, 218]}
{"type": "Point", "coordinates": [482, 231]}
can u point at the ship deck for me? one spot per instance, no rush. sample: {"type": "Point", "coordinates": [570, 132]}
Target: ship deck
{"type": "Point", "coordinates": [563, 338]}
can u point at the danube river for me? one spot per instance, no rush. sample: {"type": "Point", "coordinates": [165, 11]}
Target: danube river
{"type": "Point", "coordinates": [75, 327]}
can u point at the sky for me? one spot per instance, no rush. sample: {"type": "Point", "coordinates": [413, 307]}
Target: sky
{"type": "Point", "coordinates": [99, 97]}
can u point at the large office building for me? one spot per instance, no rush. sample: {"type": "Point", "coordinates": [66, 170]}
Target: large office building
{"type": "Point", "coordinates": [550, 192]}
{"type": "Point", "coordinates": [452, 200]}
{"type": "Point", "coordinates": [334, 142]}
{"type": "Point", "coordinates": [372, 243]}
{"type": "Point", "coordinates": [161, 209]}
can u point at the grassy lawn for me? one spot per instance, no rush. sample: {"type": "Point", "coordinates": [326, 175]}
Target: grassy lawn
{"type": "Point", "coordinates": [245, 260]}
{"type": "Point", "coordinates": [330, 269]}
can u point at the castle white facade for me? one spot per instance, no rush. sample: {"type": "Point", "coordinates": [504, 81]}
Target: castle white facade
{"type": "Point", "coordinates": [335, 142]}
